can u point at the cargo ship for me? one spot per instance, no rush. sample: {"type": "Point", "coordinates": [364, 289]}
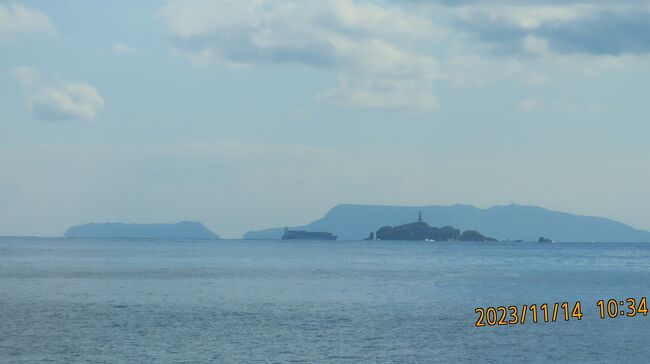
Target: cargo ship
{"type": "Point", "coordinates": [307, 235]}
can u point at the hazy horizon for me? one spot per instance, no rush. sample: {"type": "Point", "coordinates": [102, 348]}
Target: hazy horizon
{"type": "Point", "coordinates": [425, 217]}
{"type": "Point", "coordinates": [252, 114]}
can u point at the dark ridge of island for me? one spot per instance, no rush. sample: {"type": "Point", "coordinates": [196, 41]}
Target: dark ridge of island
{"type": "Point", "coordinates": [420, 230]}
{"type": "Point", "coordinates": [181, 230]}
{"type": "Point", "coordinates": [505, 223]}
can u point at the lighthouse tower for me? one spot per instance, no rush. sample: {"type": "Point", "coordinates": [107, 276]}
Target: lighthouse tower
{"type": "Point", "coordinates": [420, 216]}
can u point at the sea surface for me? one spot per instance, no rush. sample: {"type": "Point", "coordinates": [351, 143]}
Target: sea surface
{"type": "Point", "coordinates": [230, 301]}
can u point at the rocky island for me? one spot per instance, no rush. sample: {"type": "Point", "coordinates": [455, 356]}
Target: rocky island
{"type": "Point", "coordinates": [420, 230]}
{"type": "Point", "coordinates": [180, 230]}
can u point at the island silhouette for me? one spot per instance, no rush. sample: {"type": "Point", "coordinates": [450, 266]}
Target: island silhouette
{"type": "Point", "coordinates": [180, 230]}
{"type": "Point", "coordinates": [420, 230]}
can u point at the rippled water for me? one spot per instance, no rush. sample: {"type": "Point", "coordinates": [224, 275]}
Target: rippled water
{"type": "Point", "coordinates": [264, 302]}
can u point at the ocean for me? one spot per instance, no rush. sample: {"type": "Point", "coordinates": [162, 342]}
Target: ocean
{"type": "Point", "coordinates": [231, 301]}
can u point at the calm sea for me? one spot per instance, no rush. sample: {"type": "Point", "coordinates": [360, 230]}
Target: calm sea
{"type": "Point", "coordinates": [108, 301]}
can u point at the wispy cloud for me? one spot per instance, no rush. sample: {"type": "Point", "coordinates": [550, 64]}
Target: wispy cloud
{"type": "Point", "coordinates": [63, 101]}
{"type": "Point", "coordinates": [67, 101]}
{"type": "Point", "coordinates": [17, 20]}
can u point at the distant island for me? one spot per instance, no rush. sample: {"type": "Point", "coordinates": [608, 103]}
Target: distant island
{"type": "Point", "coordinates": [506, 223]}
{"type": "Point", "coordinates": [420, 230]}
{"type": "Point", "coordinates": [180, 230]}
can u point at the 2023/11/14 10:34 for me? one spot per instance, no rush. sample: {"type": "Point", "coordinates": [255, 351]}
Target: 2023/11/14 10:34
{"type": "Point", "coordinates": [514, 315]}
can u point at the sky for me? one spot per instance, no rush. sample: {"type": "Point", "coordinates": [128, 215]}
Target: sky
{"type": "Point", "coordinates": [250, 114]}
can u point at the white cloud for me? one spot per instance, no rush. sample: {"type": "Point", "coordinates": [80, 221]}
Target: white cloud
{"type": "Point", "coordinates": [375, 49]}
{"type": "Point", "coordinates": [61, 101]}
{"type": "Point", "coordinates": [67, 101]}
{"type": "Point", "coordinates": [382, 75]}
{"type": "Point", "coordinates": [17, 19]}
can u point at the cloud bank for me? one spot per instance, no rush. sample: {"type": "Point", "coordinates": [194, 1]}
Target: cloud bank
{"type": "Point", "coordinates": [395, 53]}
{"type": "Point", "coordinates": [375, 49]}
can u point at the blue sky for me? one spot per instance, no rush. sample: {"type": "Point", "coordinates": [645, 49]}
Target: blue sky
{"type": "Point", "coordinates": [251, 114]}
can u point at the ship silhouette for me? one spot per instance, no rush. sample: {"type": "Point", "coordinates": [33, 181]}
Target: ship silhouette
{"type": "Point", "coordinates": [307, 235]}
